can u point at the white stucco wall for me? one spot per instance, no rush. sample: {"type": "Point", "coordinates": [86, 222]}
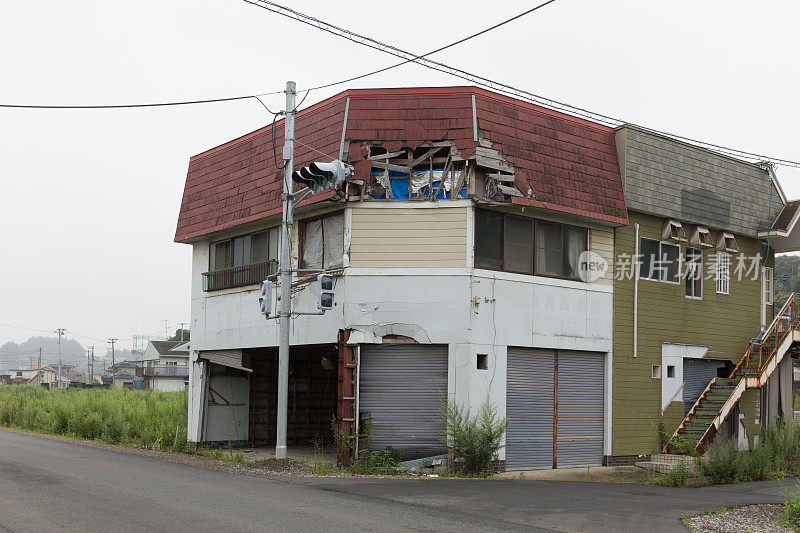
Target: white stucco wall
{"type": "Point", "coordinates": [471, 311]}
{"type": "Point", "coordinates": [167, 384]}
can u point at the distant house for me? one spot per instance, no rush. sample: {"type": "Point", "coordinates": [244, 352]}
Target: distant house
{"type": "Point", "coordinates": [131, 367]}
{"type": "Point", "coordinates": [125, 380]}
{"type": "Point", "coordinates": [167, 365]}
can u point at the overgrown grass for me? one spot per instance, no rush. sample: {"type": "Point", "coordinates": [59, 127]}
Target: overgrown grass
{"type": "Point", "coordinates": [677, 477]}
{"type": "Point", "coordinates": [369, 463]}
{"type": "Point", "coordinates": [776, 455]}
{"type": "Point", "coordinates": [791, 511]}
{"type": "Point", "coordinates": [154, 420]}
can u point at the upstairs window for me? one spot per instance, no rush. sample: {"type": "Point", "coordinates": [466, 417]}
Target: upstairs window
{"type": "Point", "coordinates": [527, 246]}
{"type": "Point", "coordinates": [694, 273]}
{"type": "Point", "coordinates": [244, 250]}
{"type": "Point", "coordinates": [723, 272]}
{"type": "Point", "coordinates": [660, 261]}
{"type": "Point", "coordinates": [243, 260]}
{"type": "Point", "coordinates": [769, 287]}
{"type": "Point", "coordinates": [488, 240]}
{"type": "Point", "coordinates": [322, 242]}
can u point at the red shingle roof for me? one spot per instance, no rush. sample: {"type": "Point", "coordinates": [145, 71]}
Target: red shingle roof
{"type": "Point", "coordinates": [570, 163]}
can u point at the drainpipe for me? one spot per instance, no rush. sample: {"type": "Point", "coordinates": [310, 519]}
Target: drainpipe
{"type": "Point", "coordinates": [636, 292]}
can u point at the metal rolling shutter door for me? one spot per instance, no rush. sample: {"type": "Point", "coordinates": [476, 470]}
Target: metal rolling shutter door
{"type": "Point", "coordinates": [697, 374]}
{"type": "Point", "coordinates": [529, 407]}
{"type": "Point", "coordinates": [580, 408]}
{"type": "Point", "coordinates": [401, 386]}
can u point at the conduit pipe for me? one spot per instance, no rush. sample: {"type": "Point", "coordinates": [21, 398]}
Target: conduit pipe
{"type": "Point", "coordinates": [636, 267]}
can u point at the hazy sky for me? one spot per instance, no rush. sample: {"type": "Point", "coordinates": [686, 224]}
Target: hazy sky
{"type": "Point", "coordinates": [90, 199]}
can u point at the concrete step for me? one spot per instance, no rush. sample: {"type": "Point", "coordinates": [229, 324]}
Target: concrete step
{"type": "Point", "coordinates": [665, 468]}
{"type": "Point", "coordinates": [669, 458]}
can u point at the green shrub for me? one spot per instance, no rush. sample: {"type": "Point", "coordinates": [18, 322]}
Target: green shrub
{"type": "Point", "coordinates": [723, 463]}
{"type": "Point", "coordinates": [383, 463]}
{"type": "Point", "coordinates": [473, 440]}
{"type": "Point", "coordinates": [677, 477]}
{"type": "Point", "coordinates": [791, 512]}
{"type": "Point", "coordinates": [683, 445]}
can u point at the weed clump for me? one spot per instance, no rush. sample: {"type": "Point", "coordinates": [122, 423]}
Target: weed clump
{"type": "Point", "coordinates": [474, 441]}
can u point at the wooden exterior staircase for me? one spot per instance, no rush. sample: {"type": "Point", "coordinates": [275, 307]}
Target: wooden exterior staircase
{"type": "Point", "coordinates": [754, 369]}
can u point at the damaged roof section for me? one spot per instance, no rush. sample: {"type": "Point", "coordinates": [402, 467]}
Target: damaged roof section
{"type": "Point", "coordinates": [416, 144]}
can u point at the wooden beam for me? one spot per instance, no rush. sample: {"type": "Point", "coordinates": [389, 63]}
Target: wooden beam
{"type": "Point", "coordinates": [388, 155]}
{"type": "Point", "coordinates": [422, 158]}
{"type": "Point", "coordinates": [502, 177]}
{"type": "Point", "coordinates": [389, 166]}
{"type": "Point", "coordinates": [508, 190]}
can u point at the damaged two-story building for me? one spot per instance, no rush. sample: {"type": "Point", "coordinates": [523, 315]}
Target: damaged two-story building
{"type": "Point", "coordinates": [456, 247]}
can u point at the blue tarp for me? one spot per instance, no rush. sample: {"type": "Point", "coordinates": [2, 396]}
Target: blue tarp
{"type": "Point", "coordinates": [399, 184]}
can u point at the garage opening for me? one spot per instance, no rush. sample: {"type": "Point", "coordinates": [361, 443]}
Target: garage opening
{"type": "Point", "coordinates": [555, 402]}
{"type": "Point", "coordinates": [400, 390]}
{"type": "Point", "coordinates": [697, 374]}
{"type": "Point", "coordinates": [312, 394]}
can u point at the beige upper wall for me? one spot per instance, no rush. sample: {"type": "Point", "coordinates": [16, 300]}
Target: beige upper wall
{"type": "Point", "coordinates": [602, 243]}
{"type": "Point", "coordinates": [432, 237]}
{"type": "Point", "coordinates": [383, 237]}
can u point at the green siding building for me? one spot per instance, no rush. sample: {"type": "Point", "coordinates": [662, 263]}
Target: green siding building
{"type": "Point", "coordinates": [692, 287]}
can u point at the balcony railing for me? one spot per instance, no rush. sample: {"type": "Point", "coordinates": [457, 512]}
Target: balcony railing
{"type": "Point", "coordinates": [167, 371]}
{"type": "Point", "coordinates": [238, 276]}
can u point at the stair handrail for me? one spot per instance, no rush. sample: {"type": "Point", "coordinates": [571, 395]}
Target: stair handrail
{"type": "Point", "coordinates": [772, 330]}
{"type": "Point", "coordinates": [745, 359]}
{"type": "Point", "coordinates": [701, 442]}
{"type": "Point", "coordinates": [689, 414]}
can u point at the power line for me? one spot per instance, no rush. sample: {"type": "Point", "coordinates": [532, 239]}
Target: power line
{"type": "Point", "coordinates": [490, 84]}
{"type": "Point", "coordinates": [409, 60]}
{"type": "Point", "coordinates": [130, 106]}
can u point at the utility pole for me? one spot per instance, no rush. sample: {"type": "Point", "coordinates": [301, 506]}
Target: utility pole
{"type": "Point", "coordinates": [88, 363]}
{"type": "Point", "coordinates": [181, 325]}
{"type": "Point", "coordinates": [285, 272]}
{"type": "Point", "coordinates": [91, 364]}
{"type": "Point", "coordinates": [39, 367]}
{"type": "Point", "coordinates": [111, 341]}
{"type": "Point", "coordinates": [60, 332]}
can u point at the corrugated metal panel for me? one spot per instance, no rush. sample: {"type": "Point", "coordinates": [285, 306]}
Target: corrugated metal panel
{"type": "Point", "coordinates": [580, 408]}
{"type": "Point", "coordinates": [697, 374]}
{"type": "Point", "coordinates": [401, 386]}
{"type": "Point", "coordinates": [529, 407]}
{"type": "Point", "coordinates": [229, 358]}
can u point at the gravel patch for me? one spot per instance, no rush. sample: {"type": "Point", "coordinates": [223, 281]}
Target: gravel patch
{"type": "Point", "coordinates": [751, 518]}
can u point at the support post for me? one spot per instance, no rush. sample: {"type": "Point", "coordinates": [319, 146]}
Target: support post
{"type": "Point", "coordinates": [285, 273]}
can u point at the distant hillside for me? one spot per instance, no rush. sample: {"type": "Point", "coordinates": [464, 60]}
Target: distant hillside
{"type": "Point", "coordinates": [13, 355]}
{"type": "Point", "coordinates": [787, 277]}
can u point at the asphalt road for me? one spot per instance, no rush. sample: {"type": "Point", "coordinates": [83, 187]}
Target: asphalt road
{"type": "Point", "coordinates": [55, 485]}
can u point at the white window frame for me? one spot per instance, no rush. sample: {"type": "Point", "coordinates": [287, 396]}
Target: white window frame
{"type": "Point", "coordinates": [769, 285]}
{"type": "Point", "coordinates": [723, 273]}
{"type": "Point", "coordinates": [699, 269]}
